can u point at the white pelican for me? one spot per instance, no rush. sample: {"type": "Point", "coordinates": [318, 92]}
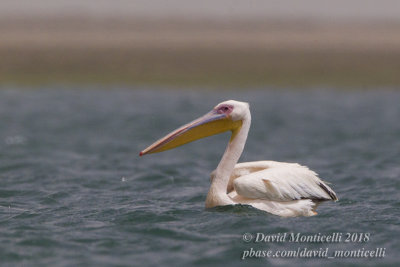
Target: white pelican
{"type": "Point", "coordinates": [284, 189]}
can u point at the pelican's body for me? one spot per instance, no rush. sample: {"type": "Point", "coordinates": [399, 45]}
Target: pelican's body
{"type": "Point", "coordinates": [284, 189]}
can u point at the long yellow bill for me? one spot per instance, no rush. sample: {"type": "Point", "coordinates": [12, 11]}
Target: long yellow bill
{"type": "Point", "coordinates": [210, 124]}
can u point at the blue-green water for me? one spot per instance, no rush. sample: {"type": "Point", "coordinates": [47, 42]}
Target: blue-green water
{"type": "Point", "coordinates": [75, 193]}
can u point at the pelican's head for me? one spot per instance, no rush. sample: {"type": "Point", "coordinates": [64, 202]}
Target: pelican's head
{"type": "Point", "coordinates": [226, 116]}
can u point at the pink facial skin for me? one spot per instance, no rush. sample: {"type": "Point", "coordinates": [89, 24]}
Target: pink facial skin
{"type": "Point", "coordinates": [224, 109]}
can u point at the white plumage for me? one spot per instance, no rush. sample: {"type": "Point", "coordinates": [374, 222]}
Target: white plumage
{"type": "Point", "coordinates": [284, 189]}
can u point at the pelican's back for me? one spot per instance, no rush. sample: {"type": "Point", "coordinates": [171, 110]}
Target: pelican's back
{"type": "Point", "coordinates": [278, 181]}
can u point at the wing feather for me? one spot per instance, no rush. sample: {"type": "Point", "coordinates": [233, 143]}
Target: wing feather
{"type": "Point", "coordinates": [279, 181]}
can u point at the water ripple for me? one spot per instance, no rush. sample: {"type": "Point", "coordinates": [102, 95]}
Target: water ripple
{"type": "Point", "coordinates": [74, 192]}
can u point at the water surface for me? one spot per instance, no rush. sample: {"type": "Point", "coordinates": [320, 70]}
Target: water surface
{"type": "Point", "coordinates": [75, 192]}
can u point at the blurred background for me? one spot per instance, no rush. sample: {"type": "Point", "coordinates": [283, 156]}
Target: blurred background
{"type": "Point", "coordinates": [74, 191]}
{"type": "Point", "coordinates": [211, 43]}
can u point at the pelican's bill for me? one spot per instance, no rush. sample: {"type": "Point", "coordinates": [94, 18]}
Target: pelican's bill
{"type": "Point", "coordinates": [210, 124]}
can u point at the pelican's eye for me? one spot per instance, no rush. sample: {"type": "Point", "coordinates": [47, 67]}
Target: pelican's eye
{"type": "Point", "coordinates": [225, 109]}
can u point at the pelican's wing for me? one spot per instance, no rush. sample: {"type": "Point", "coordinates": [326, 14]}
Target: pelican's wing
{"type": "Point", "coordinates": [279, 181]}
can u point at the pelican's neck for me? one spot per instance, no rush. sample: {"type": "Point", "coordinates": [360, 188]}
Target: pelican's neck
{"type": "Point", "coordinates": [231, 156]}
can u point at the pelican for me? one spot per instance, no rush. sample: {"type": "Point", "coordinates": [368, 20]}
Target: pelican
{"type": "Point", "coordinates": [280, 188]}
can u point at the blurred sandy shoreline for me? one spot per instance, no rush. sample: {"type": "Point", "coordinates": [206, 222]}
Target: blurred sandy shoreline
{"type": "Point", "coordinates": [193, 52]}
